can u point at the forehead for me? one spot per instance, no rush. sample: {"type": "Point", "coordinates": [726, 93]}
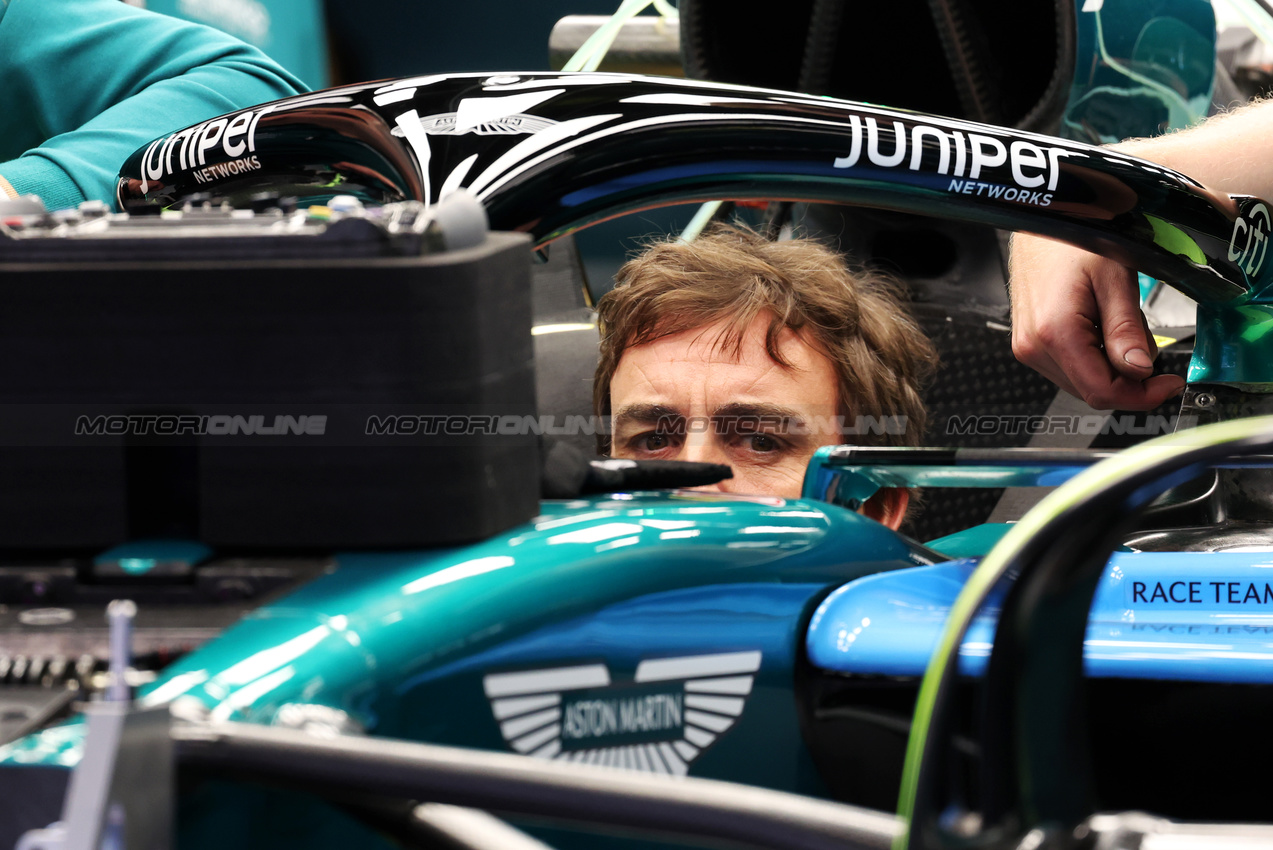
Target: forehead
{"type": "Point", "coordinates": [700, 362]}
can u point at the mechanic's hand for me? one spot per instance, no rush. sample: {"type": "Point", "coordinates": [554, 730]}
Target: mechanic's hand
{"type": "Point", "coordinates": [1076, 320]}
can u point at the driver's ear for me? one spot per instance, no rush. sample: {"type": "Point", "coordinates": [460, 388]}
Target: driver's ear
{"type": "Point", "coordinates": [888, 506]}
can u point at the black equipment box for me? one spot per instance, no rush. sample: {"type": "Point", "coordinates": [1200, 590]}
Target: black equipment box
{"type": "Point", "coordinates": [263, 380]}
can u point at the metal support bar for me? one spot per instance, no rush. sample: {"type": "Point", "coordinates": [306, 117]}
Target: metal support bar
{"type": "Point", "coordinates": [1128, 830]}
{"type": "Point", "coordinates": [121, 792]}
{"type": "Point", "coordinates": [512, 784]}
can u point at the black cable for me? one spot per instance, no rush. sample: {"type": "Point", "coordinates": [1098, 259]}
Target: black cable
{"type": "Point", "coordinates": [967, 61]}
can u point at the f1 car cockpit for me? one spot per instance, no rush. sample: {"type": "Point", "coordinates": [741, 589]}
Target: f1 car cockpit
{"type": "Point", "coordinates": [287, 404]}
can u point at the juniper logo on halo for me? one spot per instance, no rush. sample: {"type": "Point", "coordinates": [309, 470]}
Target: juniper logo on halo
{"type": "Point", "coordinates": [660, 722]}
{"type": "Point", "coordinates": [975, 163]}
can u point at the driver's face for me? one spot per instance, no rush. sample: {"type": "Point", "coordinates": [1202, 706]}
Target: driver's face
{"type": "Point", "coordinates": [679, 398]}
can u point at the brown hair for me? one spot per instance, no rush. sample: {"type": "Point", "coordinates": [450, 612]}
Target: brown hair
{"type": "Point", "coordinates": [856, 318]}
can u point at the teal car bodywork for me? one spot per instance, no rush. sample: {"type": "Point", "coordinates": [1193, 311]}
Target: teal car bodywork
{"type": "Point", "coordinates": [573, 615]}
{"type": "Point", "coordinates": [1144, 67]}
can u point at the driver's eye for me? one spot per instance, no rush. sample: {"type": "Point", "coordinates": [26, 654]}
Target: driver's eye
{"type": "Point", "coordinates": [655, 442]}
{"type": "Point", "coordinates": [763, 443]}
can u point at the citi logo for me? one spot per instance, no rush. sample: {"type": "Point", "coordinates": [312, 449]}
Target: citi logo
{"type": "Point", "coordinates": [1250, 240]}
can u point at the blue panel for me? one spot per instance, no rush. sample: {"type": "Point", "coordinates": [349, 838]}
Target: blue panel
{"type": "Point", "coordinates": [1171, 616]}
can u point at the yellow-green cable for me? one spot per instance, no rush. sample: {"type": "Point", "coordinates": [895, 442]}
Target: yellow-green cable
{"type": "Point", "coordinates": [991, 569]}
{"type": "Point", "coordinates": [589, 55]}
{"type": "Point", "coordinates": [700, 220]}
{"type": "Point", "coordinates": [1254, 16]}
{"type": "Point", "coordinates": [1173, 98]}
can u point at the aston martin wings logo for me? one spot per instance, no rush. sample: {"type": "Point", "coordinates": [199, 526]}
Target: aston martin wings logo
{"type": "Point", "coordinates": [663, 720]}
{"type": "Point", "coordinates": [445, 124]}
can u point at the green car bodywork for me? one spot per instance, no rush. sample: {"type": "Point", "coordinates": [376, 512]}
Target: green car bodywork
{"type": "Point", "coordinates": [402, 642]}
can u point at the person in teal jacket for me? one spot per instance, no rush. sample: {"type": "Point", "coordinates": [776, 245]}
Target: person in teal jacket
{"type": "Point", "coordinates": [84, 83]}
{"type": "Point", "coordinates": [291, 32]}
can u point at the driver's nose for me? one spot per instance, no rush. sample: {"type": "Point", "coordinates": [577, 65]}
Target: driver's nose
{"type": "Point", "coordinates": [703, 448]}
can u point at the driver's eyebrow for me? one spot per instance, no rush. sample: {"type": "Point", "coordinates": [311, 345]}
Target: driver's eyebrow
{"type": "Point", "coordinates": [751, 410]}
{"type": "Point", "coordinates": [784, 420]}
{"type": "Point", "coordinates": [644, 415]}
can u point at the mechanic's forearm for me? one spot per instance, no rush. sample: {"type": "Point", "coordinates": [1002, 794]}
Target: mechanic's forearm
{"type": "Point", "coordinates": [6, 190]}
{"type": "Point", "coordinates": [89, 81]}
{"type": "Point", "coordinates": [84, 164]}
{"type": "Point", "coordinates": [1231, 152]}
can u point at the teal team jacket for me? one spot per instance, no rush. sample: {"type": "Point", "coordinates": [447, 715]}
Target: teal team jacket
{"type": "Point", "coordinates": [84, 83]}
{"type": "Point", "coordinates": [291, 32]}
